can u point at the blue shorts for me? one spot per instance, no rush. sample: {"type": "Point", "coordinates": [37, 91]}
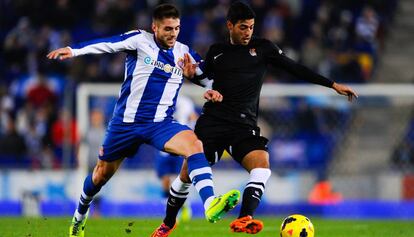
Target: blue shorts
{"type": "Point", "coordinates": [123, 139]}
{"type": "Point", "coordinates": [167, 164]}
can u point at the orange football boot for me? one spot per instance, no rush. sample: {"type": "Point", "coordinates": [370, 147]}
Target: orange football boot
{"type": "Point", "coordinates": [163, 231]}
{"type": "Point", "coordinates": [247, 225]}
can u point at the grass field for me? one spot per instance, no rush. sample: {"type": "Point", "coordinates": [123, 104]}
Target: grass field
{"type": "Point", "coordinates": [134, 227]}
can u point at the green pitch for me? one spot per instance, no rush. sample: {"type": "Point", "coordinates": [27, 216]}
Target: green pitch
{"type": "Point", "coordinates": [137, 227]}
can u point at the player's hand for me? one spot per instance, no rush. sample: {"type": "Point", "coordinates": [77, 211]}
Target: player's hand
{"type": "Point", "coordinates": [213, 96]}
{"type": "Point", "coordinates": [345, 90]}
{"type": "Point", "coordinates": [189, 69]}
{"type": "Point", "coordinates": [60, 54]}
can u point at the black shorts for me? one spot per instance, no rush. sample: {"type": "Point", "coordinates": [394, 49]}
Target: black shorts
{"type": "Point", "coordinates": [219, 135]}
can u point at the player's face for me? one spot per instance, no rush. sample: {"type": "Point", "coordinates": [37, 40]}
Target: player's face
{"type": "Point", "coordinates": [241, 32]}
{"type": "Point", "coordinates": [166, 31]}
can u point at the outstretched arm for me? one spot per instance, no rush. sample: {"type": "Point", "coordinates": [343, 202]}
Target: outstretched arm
{"type": "Point", "coordinates": [277, 59]}
{"type": "Point", "coordinates": [106, 45]}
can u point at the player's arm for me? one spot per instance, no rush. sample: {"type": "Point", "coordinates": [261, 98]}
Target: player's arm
{"type": "Point", "coordinates": [278, 59]}
{"type": "Point", "coordinates": [105, 45]}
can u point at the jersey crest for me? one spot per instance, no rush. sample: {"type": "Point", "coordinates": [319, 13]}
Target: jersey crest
{"type": "Point", "coordinates": [252, 52]}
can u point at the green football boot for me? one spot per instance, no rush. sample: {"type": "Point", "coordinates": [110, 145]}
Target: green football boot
{"type": "Point", "coordinates": [221, 205]}
{"type": "Point", "coordinates": [77, 228]}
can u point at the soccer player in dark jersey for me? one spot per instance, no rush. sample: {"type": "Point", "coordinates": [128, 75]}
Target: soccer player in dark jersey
{"type": "Point", "coordinates": [238, 67]}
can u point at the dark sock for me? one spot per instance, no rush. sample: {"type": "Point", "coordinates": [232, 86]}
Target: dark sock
{"type": "Point", "coordinates": [174, 205]}
{"type": "Point", "coordinates": [254, 190]}
{"type": "Point", "coordinates": [251, 200]}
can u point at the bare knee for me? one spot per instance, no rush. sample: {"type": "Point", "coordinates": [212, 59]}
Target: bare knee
{"type": "Point", "coordinates": [262, 163]}
{"type": "Point", "coordinates": [256, 159]}
{"type": "Point", "coordinates": [193, 148]}
{"type": "Point", "coordinates": [198, 146]}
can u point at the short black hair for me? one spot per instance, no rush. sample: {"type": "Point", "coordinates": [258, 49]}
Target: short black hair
{"type": "Point", "coordinates": [240, 11]}
{"type": "Point", "coordinates": [165, 10]}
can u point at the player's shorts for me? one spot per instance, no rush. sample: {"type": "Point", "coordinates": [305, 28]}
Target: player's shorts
{"type": "Point", "coordinates": [167, 164]}
{"type": "Point", "coordinates": [237, 139]}
{"type": "Point", "coordinates": [123, 139]}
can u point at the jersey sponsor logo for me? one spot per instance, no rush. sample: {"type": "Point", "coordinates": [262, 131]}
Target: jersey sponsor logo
{"type": "Point", "coordinates": [218, 55]}
{"type": "Point", "coordinates": [252, 52]}
{"type": "Point", "coordinates": [162, 66]}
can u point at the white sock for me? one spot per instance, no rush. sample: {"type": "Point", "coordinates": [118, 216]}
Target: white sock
{"type": "Point", "coordinates": [207, 203]}
{"type": "Point", "coordinates": [78, 216]}
{"type": "Point", "coordinates": [179, 186]}
{"type": "Point", "coordinates": [258, 175]}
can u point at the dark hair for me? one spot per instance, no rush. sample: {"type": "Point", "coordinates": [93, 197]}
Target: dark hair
{"type": "Point", "coordinates": [240, 11]}
{"type": "Point", "coordinates": [165, 11]}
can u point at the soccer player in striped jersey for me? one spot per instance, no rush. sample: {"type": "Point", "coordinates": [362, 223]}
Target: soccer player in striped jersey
{"type": "Point", "coordinates": [155, 67]}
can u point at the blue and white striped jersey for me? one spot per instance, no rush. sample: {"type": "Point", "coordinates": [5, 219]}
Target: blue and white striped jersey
{"type": "Point", "coordinates": [153, 75]}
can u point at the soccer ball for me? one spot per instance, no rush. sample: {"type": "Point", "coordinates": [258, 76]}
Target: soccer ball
{"type": "Point", "coordinates": [297, 226]}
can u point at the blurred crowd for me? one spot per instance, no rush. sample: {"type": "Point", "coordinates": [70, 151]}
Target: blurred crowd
{"type": "Point", "coordinates": [340, 39]}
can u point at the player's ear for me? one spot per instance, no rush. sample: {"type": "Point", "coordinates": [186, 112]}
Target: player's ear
{"type": "Point", "coordinates": [229, 25]}
{"type": "Point", "coordinates": [154, 26]}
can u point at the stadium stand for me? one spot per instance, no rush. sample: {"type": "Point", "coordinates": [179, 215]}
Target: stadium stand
{"type": "Point", "coordinates": [340, 39]}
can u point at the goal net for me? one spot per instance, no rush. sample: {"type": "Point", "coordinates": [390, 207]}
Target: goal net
{"type": "Point", "coordinates": [364, 148]}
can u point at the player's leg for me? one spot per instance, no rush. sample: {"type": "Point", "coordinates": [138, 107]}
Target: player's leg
{"type": "Point", "coordinates": [186, 211]}
{"type": "Point", "coordinates": [93, 183]}
{"type": "Point", "coordinates": [120, 141]}
{"type": "Point", "coordinates": [186, 143]}
{"type": "Point", "coordinates": [177, 191]}
{"type": "Point", "coordinates": [182, 141]}
{"type": "Point", "coordinates": [256, 162]}
{"type": "Point", "coordinates": [181, 185]}
{"type": "Point", "coordinates": [177, 196]}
